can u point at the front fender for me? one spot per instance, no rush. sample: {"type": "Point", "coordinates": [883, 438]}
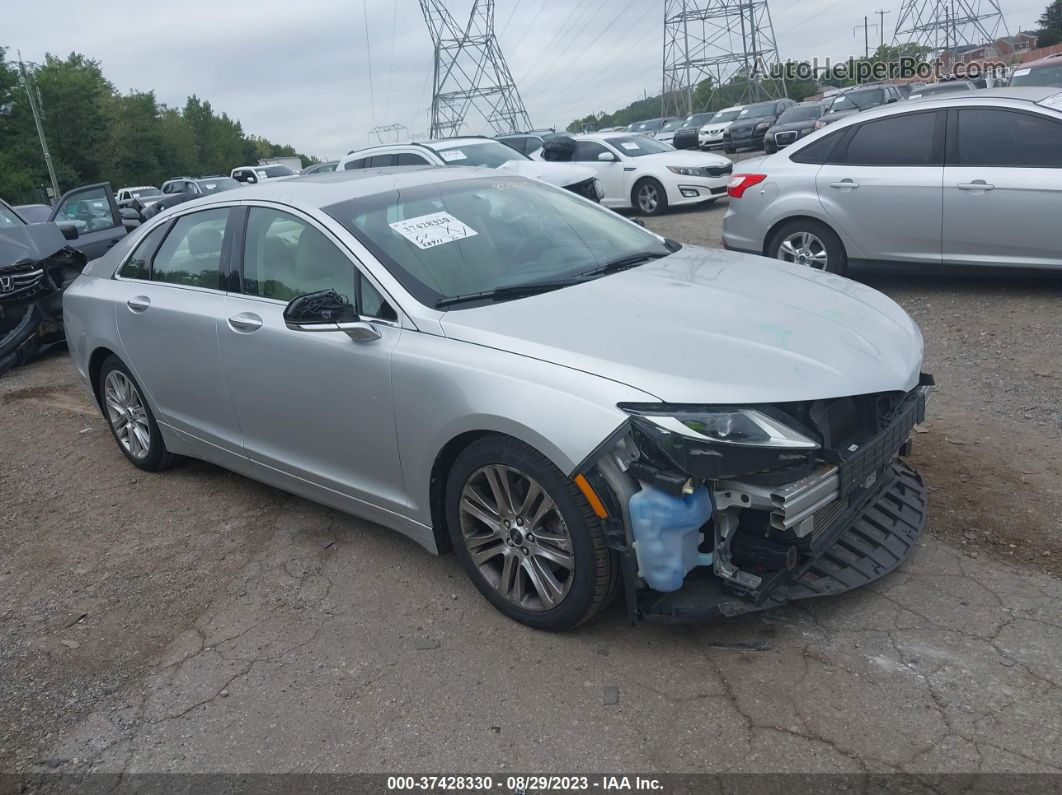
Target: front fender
{"type": "Point", "coordinates": [444, 388]}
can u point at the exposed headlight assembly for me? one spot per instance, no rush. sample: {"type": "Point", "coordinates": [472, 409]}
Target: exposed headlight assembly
{"type": "Point", "coordinates": [687, 171]}
{"type": "Point", "coordinates": [711, 443]}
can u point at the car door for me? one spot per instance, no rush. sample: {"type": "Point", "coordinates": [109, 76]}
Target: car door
{"type": "Point", "coordinates": [94, 211]}
{"type": "Point", "coordinates": [172, 297]}
{"type": "Point", "coordinates": [882, 188]}
{"type": "Point", "coordinates": [1003, 189]}
{"type": "Point", "coordinates": [314, 407]}
{"type": "Point", "coordinates": [610, 173]}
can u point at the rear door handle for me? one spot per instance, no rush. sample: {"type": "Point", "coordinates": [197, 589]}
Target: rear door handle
{"type": "Point", "coordinates": [139, 303]}
{"type": "Point", "coordinates": [246, 322]}
{"type": "Point", "coordinates": [977, 184]}
{"type": "Point", "coordinates": [845, 183]}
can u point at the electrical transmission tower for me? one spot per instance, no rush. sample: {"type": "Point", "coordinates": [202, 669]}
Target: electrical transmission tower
{"type": "Point", "coordinates": [948, 24]}
{"type": "Point", "coordinates": [728, 42]}
{"type": "Point", "coordinates": [470, 71]}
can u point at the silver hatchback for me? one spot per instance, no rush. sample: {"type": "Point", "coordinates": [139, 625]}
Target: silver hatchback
{"type": "Point", "coordinates": [485, 363]}
{"type": "Point", "coordinates": [970, 180]}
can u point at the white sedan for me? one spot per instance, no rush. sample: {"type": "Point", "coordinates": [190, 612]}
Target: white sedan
{"type": "Point", "coordinates": [650, 176]}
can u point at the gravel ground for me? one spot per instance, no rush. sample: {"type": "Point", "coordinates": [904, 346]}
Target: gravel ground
{"type": "Point", "coordinates": [199, 621]}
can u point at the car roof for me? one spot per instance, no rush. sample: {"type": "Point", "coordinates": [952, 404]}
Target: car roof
{"type": "Point", "coordinates": [323, 190]}
{"type": "Point", "coordinates": [1049, 60]}
{"type": "Point", "coordinates": [1034, 94]}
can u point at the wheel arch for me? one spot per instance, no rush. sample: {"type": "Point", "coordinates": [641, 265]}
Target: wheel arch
{"type": "Point", "coordinates": [95, 366]}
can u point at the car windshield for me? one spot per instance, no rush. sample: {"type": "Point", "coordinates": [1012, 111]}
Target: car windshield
{"type": "Point", "coordinates": [858, 100]}
{"type": "Point", "coordinates": [490, 154]}
{"type": "Point", "coordinates": [726, 115]}
{"type": "Point", "coordinates": [800, 114]}
{"type": "Point", "coordinates": [140, 192]}
{"type": "Point", "coordinates": [651, 124]}
{"type": "Point", "coordinates": [276, 171]}
{"type": "Point", "coordinates": [9, 217]}
{"type": "Point", "coordinates": [697, 119]}
{"type": "Point", "coordinates": [1050, 76]}
{"type": "Point", "coordinates": [639, 145]}
{"type": "Point", "coordinates": [476, 236]}
{"type": "Point", "coordinates": [217, 184]}
{"type": "Point", "coordinates": [674, 124]}
{"type": "Point", "coordinates": [758, 111]}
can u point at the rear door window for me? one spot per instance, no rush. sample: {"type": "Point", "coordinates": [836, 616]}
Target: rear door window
{"type": "Point", "coordinates": [138, 266]}
{"type": "Point", "coordinates": [907, 140]}
{"type": "Point", "coordinates": [410, 159]}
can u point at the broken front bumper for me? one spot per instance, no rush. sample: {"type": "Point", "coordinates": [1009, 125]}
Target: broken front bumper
{"type": "Point", "coordinates": [872, 539]}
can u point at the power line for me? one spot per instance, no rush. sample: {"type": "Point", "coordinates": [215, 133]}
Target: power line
{"type": "Point", "coordinates": [368, 55]}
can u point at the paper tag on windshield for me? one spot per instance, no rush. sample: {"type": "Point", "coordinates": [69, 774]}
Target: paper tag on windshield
{"type": "Point", "coordinates": [1021, 72]}
{"type": "Point", "coordinates": [630, 147]}
{"type": "Point", "coordinates": [429, 231]}
{"type": "Point", "coordinates": [453, 155]}
{"type": "Point", "coordinates": [210, 185]}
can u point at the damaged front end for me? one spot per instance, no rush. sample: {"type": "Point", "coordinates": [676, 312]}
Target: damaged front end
{"type": "Point", "coordinates": [36, 266]}
{"type": "Point", "coordinates": [728, 510]}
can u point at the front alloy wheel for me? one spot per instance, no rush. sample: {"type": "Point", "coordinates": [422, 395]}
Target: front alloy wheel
{"type": "Point", "coordinates": [526, 535]}
{"type": "Point", "coordinates": [517, 537]}
{"type": "Point", "coordinates": [649, 197]}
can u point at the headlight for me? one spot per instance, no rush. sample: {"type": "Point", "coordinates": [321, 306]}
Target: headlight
{"type": "Point", "coordinates": [739, 427]}
{"type": "Point", "coordinates": [687, 171]}
{"type": "Point", "coordinates": [820, 124]}
{"type": "Point", "coordinates": [763, 125]}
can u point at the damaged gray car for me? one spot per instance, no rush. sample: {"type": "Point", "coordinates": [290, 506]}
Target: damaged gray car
{"type": "Point", "coordinates": [580, 409]}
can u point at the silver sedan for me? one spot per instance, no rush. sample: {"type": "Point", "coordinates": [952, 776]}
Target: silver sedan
{"type": "Point", "coordinates": [970, 180]}
{"type": "Point", "coordinates": [577, 407]}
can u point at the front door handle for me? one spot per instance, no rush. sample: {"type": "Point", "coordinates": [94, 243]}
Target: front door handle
{"type": "Point", "coordinates": [139, 303]}
{"type": "Point", "coordinates": [976, 185]}
{"type": "Point", "coordinates": [245, 322]}
{"type": "Point", "coordinates": [845, 184]}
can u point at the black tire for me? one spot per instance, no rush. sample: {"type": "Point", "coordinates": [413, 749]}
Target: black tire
{"type": "Point", "coordinates": [729, 150]}
{"type": "Point", "coordinates": [594, 580]}
{"type": "Point", "coordinates": [769, 148]}
{"type": "Point", "coordinates": [157, 458]}
{"type": "Point", "coordinates": [836, 256]}
{"type": "Point", "coordinates": [648, 183]}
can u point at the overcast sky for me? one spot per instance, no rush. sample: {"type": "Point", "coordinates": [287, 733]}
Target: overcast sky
{"type": "Point", "coordinates": [299, 73]}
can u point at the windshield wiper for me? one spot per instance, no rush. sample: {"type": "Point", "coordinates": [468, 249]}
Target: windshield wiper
{"type": "Point", "coordinates": [505, 293]}
{"type": "Point", "coordinates": [623, 263]}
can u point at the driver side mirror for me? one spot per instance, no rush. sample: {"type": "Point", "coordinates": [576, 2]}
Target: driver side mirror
{"type": "Point", "coordinates": [327, 310]}
{"type": "Point", "coordinates": [607, 157]}
{"type": "Point", "coordinates": [69, 231]}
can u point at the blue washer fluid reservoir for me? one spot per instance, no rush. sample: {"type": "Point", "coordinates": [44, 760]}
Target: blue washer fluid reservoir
{"type": "Point", "coordinates": [667, 533]}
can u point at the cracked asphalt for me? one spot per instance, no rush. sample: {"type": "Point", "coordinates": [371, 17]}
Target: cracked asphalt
{"type": "Point", "coordinates": [198, 621]}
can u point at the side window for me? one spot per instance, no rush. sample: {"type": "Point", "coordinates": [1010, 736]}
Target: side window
{"type": "Point", "coordinates": [381, 161]}
{"type": "Point", "coordinates": [191, 253]}
{"type": "Point", "coordinates": [587, 151]}
{"type": "Point", "coordinates": [138, 266]}
{"type": "Point", "coordinates": [532, 144]}
{"type": "Point", "coordinates": [409, 159]}
{"type": "Point", "coordinates": [1007, 139]}
{"type": "Point", "coordinates": [350, 165]}
{"type": "Point", "coordinates": [89, 210]}
{"type": "Point", "coordinates": [820, 151]}
{"type": "Point", "coordinates": [285, 257]}
{"type": "Point", "coordinates": [896, 141]}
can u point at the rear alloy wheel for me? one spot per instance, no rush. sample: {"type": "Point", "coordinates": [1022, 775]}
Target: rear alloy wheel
{"type": "Point", "coordinates": [811, 245]}
{"type": "Point", "coordinates": [527, 537]}
{"type": "Point", "coordinates": [132, 423]}
{"type": "Point", "coordinates": [650, 198]}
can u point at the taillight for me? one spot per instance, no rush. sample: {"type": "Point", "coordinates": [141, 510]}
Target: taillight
{"type": "Point", "coordinates": [742, 182]}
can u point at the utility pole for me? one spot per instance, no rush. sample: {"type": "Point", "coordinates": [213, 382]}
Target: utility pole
{"type": "Point", "coordinates": [866, 35]}
{"type": "Point", "coordinates": [881, 12]}
{"type": "Point", "coordinates": [31, 93]}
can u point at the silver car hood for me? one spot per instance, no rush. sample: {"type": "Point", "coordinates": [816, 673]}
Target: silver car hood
{"type": "Point", "coordinates": [705, 326]}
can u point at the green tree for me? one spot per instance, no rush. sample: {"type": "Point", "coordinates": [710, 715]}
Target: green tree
{"type": "Point", "coordinates": [1050, 25]}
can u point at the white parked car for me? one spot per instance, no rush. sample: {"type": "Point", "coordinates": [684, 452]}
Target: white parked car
{"type": "Point", "coordinates": [147, 194]}
{"type": "Point", "coordinates": [476, 151]}
{"type": "Point", "coordinates": [650, 176]}
{"type": "Point", "coordinates": [711, 134]}
{"type": "Point", "coordinates": [252, 175]}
